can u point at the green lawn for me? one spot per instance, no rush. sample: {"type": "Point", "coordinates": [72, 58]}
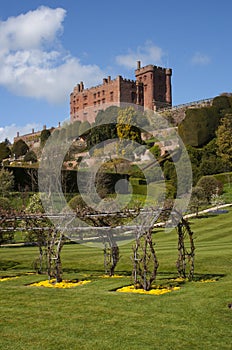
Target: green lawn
{"type": "Point", "coordinates": [93, 316]}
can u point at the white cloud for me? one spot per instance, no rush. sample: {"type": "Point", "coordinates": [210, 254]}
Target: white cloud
{"type": "Point", "coordinates": [200, 59]}
{"type": "Point", "coordinates": [31, 30]}
{"type": "Point", "coordinates": [147, 54]}
{"type": "Point", "coordinates": [10, 131]}
{"type": "Point", "coordinates": [32, 60]}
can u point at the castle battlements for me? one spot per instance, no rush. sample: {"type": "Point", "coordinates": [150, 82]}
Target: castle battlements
{"type": "Point", "coordinates": [151, 89]}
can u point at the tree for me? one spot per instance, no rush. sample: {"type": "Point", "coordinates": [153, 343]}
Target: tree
{"type": "Point", "coordinates": [20, 148]}
{"type": "Point", "coordinates": [198, 198]}
{"type": "Point", "coordinates": [199, 126]}
{"type": "Point", "coordinates": [224, 139]}
{"type": "Point", "coordinates": [210, 186]}
{"type": "Point", "coordinates": [126, 125]}
{"type": "Point", "coordinates": [30, 157]}
{"type": "Point", "coordinates": [6, 182]}
{"type": "Point", "coordinates": [222, 102]}
{"type": "Point", "coordinates": [156, 151]}
{"type": "Point", "coordinates": [5, 151]}
{"type": "Point", "coordinates": [47, 238]}
{"type": "Point", "coordinates": [45, 134]}
{"type": "Point", "coordinates": [39, 237]}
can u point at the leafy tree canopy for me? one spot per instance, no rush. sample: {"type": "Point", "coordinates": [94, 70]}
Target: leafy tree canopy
{"type": "Point", "coordinates": [6, 182]}
{"type": "Point", "coordinates": [199, 126]}
{"type": "Point", "coordinates": [210, 186]}
{"type": "Point", "coordinates": [20, 148]}
{"type": "Point", "coordinates": [224, 139]}
{"type": "Point", "coordinates": [44, 136]}
{"type": "Point", "coordinates": [5, 151]}
{"type": "Point", "coordinates": [30, 157]}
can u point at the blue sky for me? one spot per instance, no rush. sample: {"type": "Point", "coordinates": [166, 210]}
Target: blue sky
{"type": "Point", "coordinates": [47, 47]}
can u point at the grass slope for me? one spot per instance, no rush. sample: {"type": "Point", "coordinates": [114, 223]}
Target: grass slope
{"type": "Point", "coordinates": [94, 317]}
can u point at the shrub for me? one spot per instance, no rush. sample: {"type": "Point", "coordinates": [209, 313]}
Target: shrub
{"type": "Point", "coordinates": [210, 186]}
{"type": "Point", "coordinates": [5, 203]}
{"type": "Point", "coordinates": [20, 148]}
{"type": "Point", "coordinates": [199, 126]}
{"type": "Point", "coordinates": [30, 157]}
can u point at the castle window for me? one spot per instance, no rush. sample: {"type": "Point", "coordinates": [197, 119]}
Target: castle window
{"type": "Point", "coordinates": [99, 102]}
{"type": "Point", "coordinates": [145, 78]}
{"type": "Point", "coordinates": [95, 103]}
{"type": "Point", "coordinates": [103, 92]}
{"type": "Point", "coordinates": [98, 94]}
{"type": "Point", "coordinates": [111, 96]}
{"type": "Point", "coordinates": [103, 100]}
{"type": "Point", "coordinates": [94, 95]}
{"type": "Point", "coordinates": [85, 97]}
{"type": "Point", "coordinates": [151, 76]}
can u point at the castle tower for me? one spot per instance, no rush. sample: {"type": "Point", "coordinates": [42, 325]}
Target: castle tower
{"type": "Point", "coordinates": [151, 90]}
{"type": "Point", "coordinates": [156, 82]}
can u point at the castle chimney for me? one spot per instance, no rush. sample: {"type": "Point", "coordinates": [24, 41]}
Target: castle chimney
{"type": "Point", "coordinates": [109, 78]}
{"type": "Point", "coordinates": [168, 86]}
{"type": "Point", "coordinates": [17, 134]}
{"type": "Point", "coordinates": [81, 86]}
{"type": "Point", "coordinates": [33, 131]}
{"type": "Point", "coordinates": [138, 64]}
{"type": "Point", "coordinates": [44, 127]}
{"type": "Point", "coordinates": [105, 81]}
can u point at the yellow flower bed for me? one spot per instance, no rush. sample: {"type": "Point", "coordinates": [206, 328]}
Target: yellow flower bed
{"type": "Point", "coordinates": [114, 276]}
{"type": "Point", "coordinates": [153, 291]}
{"type": "Point", "coordinates": [207, 281]}
{"type": "Point", "coordinates": [64, 284]}
{"type": "Point", "coordinates": [3, 279]}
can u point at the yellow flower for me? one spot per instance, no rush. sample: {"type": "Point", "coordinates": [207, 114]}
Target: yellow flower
{"type": "Point", "coordinates": [153, 291]}
{"type": "Point", "coordinates": [207, 281]}
{"type": "Point", "coordinates": [114, 276]}
{"type": "Point", "coordinates": [3, 279]}
{"type": "Point", "coordinates": [64, 284]}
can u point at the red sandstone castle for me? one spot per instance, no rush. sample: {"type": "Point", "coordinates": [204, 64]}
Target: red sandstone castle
{"type": "Point", "coordinates": [151, 90]}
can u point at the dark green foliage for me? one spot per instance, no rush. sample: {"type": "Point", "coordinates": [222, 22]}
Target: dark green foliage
{"type": "Point", "coordinates": [5, 203]}
{"type": "Point", "coordinates": [77, 203]}
{"type": "Point", "coordinates": [101, 133]}
{"type": "Point", "coordinates": [222, 102]}
{"type": "Point", "coordinates": [5, 151]}
{"type": "Point", "coordinates": [170, 190]}
{"type": "Point", "coordinates": [20, 148]}
{"type": "Point", "coordinates": [199, 126]}
{"type": "Point", "coordinates": [6, 182]}
{"type": "Point", "coordinates": [22, 179]}
{"type": "Point", "coordinates": [224, 177]}
{"type": "Point", "coordinates": [170, 171]}
{"type": "Point", "coordinates": [224, 139]}
{"type": "Point", "coordinates": [156, 151]}
{"type": "Point", "coordinates": [45, 134]}
{"type": "Point", "coordinates": [198, 198]}
{"type": "Point", "coordinates": [211, 165]}
{"type": "Point", "coordinates": [210, 186]}
{"type": "Point", "coordinates": [195, 154]}
{"type": "Point", "coordinates": [30, 157]}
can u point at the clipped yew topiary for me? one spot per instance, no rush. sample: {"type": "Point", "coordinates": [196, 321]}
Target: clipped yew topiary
{"type": "Point", "coordinates": [199, 126]}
